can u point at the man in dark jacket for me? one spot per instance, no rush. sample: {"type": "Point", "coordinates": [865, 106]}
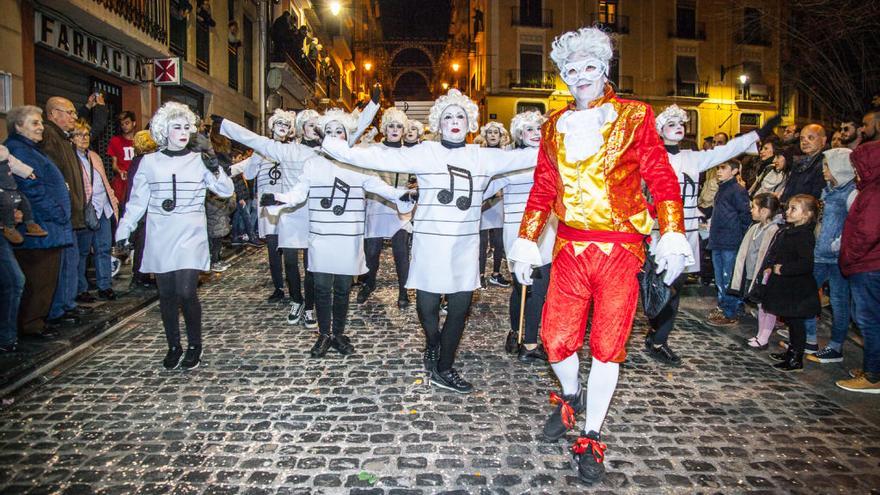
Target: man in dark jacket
{"type": "Point", "coordinates": [731, 218]}
{"type": "Point", "coordinates": [61, 116]}
{"type": "Point", "coordinates": [860, 262]}
{"type": "Point", "coordinates": [806, 174]}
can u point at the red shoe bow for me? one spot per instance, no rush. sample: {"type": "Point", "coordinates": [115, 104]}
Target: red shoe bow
{"type": "Point", "coordinates": [581, 445]}
{"type": "Point", "coordinates": [568, 417]}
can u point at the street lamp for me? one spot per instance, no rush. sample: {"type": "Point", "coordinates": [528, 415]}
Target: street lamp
{"type": "Point", "coordinates": [335, 8]}
{"type": "Point", "coordinates": [455, 66]}
{"type": "Point", "coordinates": [743, 79]}
{"type": "Point", "coordinates": [445, 86]}
{"type": "Point", "coordinates": [368, 66]}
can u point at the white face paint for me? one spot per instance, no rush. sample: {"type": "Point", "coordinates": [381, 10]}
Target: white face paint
{"type": "Point", "coordinates": [179, 131]}
{"type": "Point", "coordinates": [393, 132]}
{"type": "Point", "coordinates": [281, 130]}
{"type": "Point", "coordinates": [412, 135]}
{"type": "Point", "coordinates": [493, 136]}
{"type": "Point", "coordinates": [453, 124]}
{"type": "Point", "coordinates": [673, 132]}
{"type": "Point", "coordinates": [310, 130]}
{"type": "Point", "coordinates": [585, 78]}
{"type": "Point", "coordinates": [531, 136]}
{"type": "Point", "coordinates": [335, 130]}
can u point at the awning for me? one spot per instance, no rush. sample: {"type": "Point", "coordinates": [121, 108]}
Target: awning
{"type": "Point", "coordinates": [686, 70]}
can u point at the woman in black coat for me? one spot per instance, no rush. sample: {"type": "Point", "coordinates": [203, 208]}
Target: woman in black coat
{"type": "Point", "coordinates": [791, 289]}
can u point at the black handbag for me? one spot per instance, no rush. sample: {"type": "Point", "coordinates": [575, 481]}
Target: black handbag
{"type": "Point", "coordinates": [90, 216]}
{"type": "Point", "coordinates": [654, 293]}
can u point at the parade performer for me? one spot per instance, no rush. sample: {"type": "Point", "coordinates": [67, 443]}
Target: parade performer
{"type": "Point", "coordinates": [688, 165]}
{"type": "Point", "coordinates": [383, 219]}
{"type": "Point", "coordinates": [451, 177]}
{"type": "Point", "coordinates": [526, 130]}
{"type": "Point", "coordinates": [493, 135]}
{"type": "Point", "coordinates": [336, 205]}
{"type": "Point", "coordinates": [414, 132]}
{"type": "Point", "coordinates": [594, 155]}
{"type": "Point", "coordinates": [170, 185]}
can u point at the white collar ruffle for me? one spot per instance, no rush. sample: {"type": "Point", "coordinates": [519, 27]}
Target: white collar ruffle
{"type": "Point", "coordinates": [582, 130]}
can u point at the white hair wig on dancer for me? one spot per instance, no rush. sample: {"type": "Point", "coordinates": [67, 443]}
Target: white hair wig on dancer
{"type": "Point", "coordinates": [304, 116]}
{"type": "Point", "coordinates": [392, 114]}
{"type": "Point", "coordinates": [417, 124]}
{"type": "Point", "coordinates": [588, 41]}
{"type": "Point", "coordinates": [348, 120]}
{"type": "Point", "coordinates": [171, 110]}
{"type": "Point", "coordinates": [521, 120]}
{"type": "Point", "coordinates": [669, 114]}
{"type": "Point", "coordinates": [454, 97]}
{"type": "Point", "coordinates": [493, 124]}
{"type": "Point", "coordinates": [283, 116]}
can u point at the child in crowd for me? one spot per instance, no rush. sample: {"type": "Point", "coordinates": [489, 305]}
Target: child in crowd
{"type": "Point", "coordinates": [791, 289]}
{"type": "Point", "coordinates": [11, 199]}
{"type": "Point", "coordinates": [748, 279]}
{"type": "Point", "coordinates": [731, 218]}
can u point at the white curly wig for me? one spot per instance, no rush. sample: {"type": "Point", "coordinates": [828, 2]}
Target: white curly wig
{"type": "Point", "coordinates": [492, 124]}
{"type": "Point", "coordinates": [589, 41]}
{"type": "Point", "coordinates": [454, 97]}
{"type": "Point", "coordinates": [669, 114]}
{"type": "Point", "coordinates": [348, 120]}
{"type": "Point", "coordinates": [521, 120]}
{"type": "Point", "coordinates": [392, 114]}
{"type": "Point", "coordinates": [171, 110]}
{"type": "Point", "coordinates": [284, 116]}
{"type": "Point", "coordinates": [418, 125]}
{"type": "Point", "coordinates": [304, 116]}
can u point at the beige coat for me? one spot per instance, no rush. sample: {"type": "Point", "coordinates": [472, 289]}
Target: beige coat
{"type": "Point", "coordinates": [739, 269]}
{"type": "Point", "coordinates": [99, 171]}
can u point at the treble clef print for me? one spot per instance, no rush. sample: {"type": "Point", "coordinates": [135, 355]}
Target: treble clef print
{"type": "Point", "coordinates": [169, 204]}
{"type": "Point", "coordinates": [274, 174]}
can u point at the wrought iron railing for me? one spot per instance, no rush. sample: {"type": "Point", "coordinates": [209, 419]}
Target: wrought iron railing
{"type": "Point", "coordinates": [148, 16]}
{"type": "Point", "coordinates": [531, 79]}
{"type": "Point", "coordinates": [534, 18]}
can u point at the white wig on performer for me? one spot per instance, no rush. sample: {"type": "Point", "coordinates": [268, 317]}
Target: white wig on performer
{"type": "Point", "coordinates": [392, 114]}
{"type": "Point", "coordinates": [493, 124]}
{"type": "Point", "coordinates": [672, 113]}
{"type": "Point", "coordinates": [285, 116]}
{"type": "Point", "coordinates": [415, 124]}
{"type": "Point", "coordinates": [454, 98]}
{"type": "Point", "coordinates": [587, 42]}
{"type": "Point", "coordinates": [521, 120]}
{"type": "Point", "coordinates": [304, 116]}
{"type": "Point", "coordinates": [348, 120]}
{"type": "Point", "coordinates": [171, 110]}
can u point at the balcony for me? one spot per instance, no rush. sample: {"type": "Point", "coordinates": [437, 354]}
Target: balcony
{"type": "Point", "coordinates": [529, 79]}
{"type": "Point", "coordinates": [754, 92]}
{"type": "Point", "coordinates": [684, 31]}
{"type": "Point", "coordinates": [148, 16]}
{"type": "Point", "coordinates": [688, 90]}
{"type": "Point", "coordinates": [611, 22]}
{"type": "Point", "coordinates": [752, 37]}
{"type": "Point", "coordinates": [542, 18]}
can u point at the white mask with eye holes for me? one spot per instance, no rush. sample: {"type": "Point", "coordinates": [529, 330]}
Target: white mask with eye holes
{"type": "Point", "coordinates": [585, 78]}
{"type": "Point", "coordinates": [453, 124]}
{"type": "Point", "coordinates": [281, 130]}
{"type": "Point", "coordinates": [335, 129]}
{"type": "Point", "coordinates": [179, 131]}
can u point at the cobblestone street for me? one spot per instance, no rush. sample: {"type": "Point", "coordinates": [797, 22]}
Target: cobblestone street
{"type": "Point", "coordinates": [260, 416]}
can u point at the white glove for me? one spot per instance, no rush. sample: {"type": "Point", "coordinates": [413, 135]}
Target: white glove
{"type": "Point", "coordinates": [672, 253]}
{"type": "Point", "coordinates": [835, 245]}
{"type": "Point", "coordinates": [523, 272]}
{"type": "Point", "coordinates": [673, 264]}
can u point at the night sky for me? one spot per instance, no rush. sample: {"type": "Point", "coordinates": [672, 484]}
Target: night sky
{"type": "Point", "coordinates": [415, 18]}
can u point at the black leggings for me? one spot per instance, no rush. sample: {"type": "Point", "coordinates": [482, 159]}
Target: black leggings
{"type": "Point", "coordinates": [294, 281]}
{"type": "Point", "coordinates": [428, 308]}
{"type": "Point", "coordinates": [797, 334]}
{"type": "Point", "coordinates": [331, 302]}
{"type": "Point", "coordinates": [215, 245]}
{"type": "Point", "coordinates": [400, 250]}
{"type": "Point", "coordinates": [275, 261]}
{"type": "Point", "coordinates": [663, 323]}
{"type": "Point", "coordinates": [177, 290]}
{"type": "Point", "coordinates": [535, 297]}
{"type": "Point", "coordinates": [495, 237]}
{"type": "Point", "coordinates": [139, 239]}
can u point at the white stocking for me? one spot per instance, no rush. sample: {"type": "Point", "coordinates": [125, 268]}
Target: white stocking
{"type": "Point", "coordinates": [600, 389]}
{"type": "Point", "coordinates": [567, 373]}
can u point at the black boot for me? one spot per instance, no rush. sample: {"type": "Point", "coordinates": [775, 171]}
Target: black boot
{"type": "Point", "coordinates": [510, 344]}
{"type": "Point", "coordinates": [588, 457]}
{"type": "Point", "coordinates": [530, 356]}
{"type": "Point", "coordinates": [277, 296]}
{"type": "Point", "coordinates": [192, 359]}
{"type": "Point", "coordinates": [794, 363]}
{"type": "Point", "coordinates": [364, 294]}
{"type": "Point", "coordinates": [342, 344]}
{"type": "Point", "coordinates": [172, 358]}
{"type": "Point", "coordinates": [649, 340]}
{"type": "Point", "coordinates": [556, 424]}
{"type": "Point", "coordinates": [432, 355]}
{"type": "Point", "coordinates": [782, 356]}
{"type": "Point", "coordinates": [321, 346]}
{"type": "Point", "coordinates": [663, 354]}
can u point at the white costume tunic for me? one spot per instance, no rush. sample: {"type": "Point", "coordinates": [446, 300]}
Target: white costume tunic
{"type": "Point", "coordinates": [337, 213]}
{"type": "Point", "coordinates": [446, 231]}
{"type": "Point", "coordinates": [172, 190]}
{"type": "Point", "coordinates": [688, 166]}
{"type": "Point", "coordinates": [291, 222]}
{"type": "Point", "coordinates": [516, 187]}
{"type": "Point", "coordinates": [383, 219]}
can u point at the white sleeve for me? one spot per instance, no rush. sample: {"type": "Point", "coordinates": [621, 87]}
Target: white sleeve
{"type": "Point", "coordinates": [220, 184]}
{"type": "Point", "coordinates": [295, 196]}
{"type": "Point", "coordinates": [280, 152]}
{"type": "Point", "coordinates": [380, 158]}
{"type": "Point", "coordinates": [364, 120]}
{"type": "Point", "coordinates": [494, 186]}
{"type": "Point", "coordinates": [502, 161]}
{"type": "Point", "coordinates": [716, 156]}
{"type": "Point", "coordinates": [136, 205]}
{"type": "Point", "coordinates": [239, 167]}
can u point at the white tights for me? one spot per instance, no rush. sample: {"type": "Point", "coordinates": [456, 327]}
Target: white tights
{"type": "Point", "coordinates": [600, 387]}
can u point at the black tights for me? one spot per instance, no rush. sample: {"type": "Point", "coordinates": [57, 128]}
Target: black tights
{"type": "Point", "coordinates": [535, 297]}
{"type": "Point", "coordinates": [400, 250]}
{"type": "Point", "coordinates": [663, 323]}
{"type": "Point", "coordinates": [331, 302]}
{"type": "Point", "coordinates": [177, 290]}
{"type": "Point", "coordinates": [275, 261]}
{"type": "Point", "coordinates": [428, 308]}
{"type": "Point", "coordinates": [495, 237]}
{"type": "Point", "coordinates": [294, 281]}
{"type": "Point", "coordinates": [797, 334]}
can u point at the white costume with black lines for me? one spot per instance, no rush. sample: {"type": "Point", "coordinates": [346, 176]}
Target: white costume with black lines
{"type": "Point", "coordinates": [516, 187]}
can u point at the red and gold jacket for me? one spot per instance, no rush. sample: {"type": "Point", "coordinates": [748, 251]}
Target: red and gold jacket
{"type": "Point", "coordinates": [599, 199]}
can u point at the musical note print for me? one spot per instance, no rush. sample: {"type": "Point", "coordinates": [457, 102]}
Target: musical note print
{"type": "Point", "coordinates": [338, 184]}
{"type": "Point", "coordinates": [274, 174]}
{"type": "Point", "coordinates": [169, 204]}
{"type": "Point", "coordinates": [445, 195]}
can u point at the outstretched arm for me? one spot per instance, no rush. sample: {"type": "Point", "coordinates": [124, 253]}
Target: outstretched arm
{"type": "Point", "coordinates": [503, 161]}
{"type": "Point", "coordinates": [219, 183]}
{"type": "Point", "coordinates": [720, 154]}
{"type": "Point", "coordinates": [378, 187]}
{"type": "Point", "coordinates": [280, 152]}
{"type": "Point", "coordinates": [380, 158]}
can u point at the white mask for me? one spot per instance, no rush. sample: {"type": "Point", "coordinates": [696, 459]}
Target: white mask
{"type": "Point", "coordinates": [335, 130]}
{"type": "Point", "coordinates": [453, 124]}
{"type": "Point", "coordinates": [179, 131]}
{"type": "Point", "coordinates": [585, 78]}
{"type": "Point", "coordinates": [280, 130]}
{"type": "Point", "coordinates": [673, 131]}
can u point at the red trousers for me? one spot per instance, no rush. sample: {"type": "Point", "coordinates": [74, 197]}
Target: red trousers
{"type": "Point", "coordinates": [608, 282]}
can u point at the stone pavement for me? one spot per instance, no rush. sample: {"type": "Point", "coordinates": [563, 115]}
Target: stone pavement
{"type": "Point", "coordinates": [261, 417]}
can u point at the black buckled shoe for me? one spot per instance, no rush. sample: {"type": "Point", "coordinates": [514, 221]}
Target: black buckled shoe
{"type": "Point", "coordinates": [782, 356]}
{"type": "Point", "coordinates": [364, 294]}
{"type": "Point", "coordinates": [276, 297]}
{"type": "Point", "coordinates": [588, 457]}
{"type": "Point", "coordinates": [431, 356]}
{"type": "Point", "coordinates": [795, 362]}
{"type": "Point", "coordinates": [172, 358]}
{"type": "Point", "coordinates": [402, 303]}
{"type": "Point", "coordinates": [192, 358]}
{"type": "Point", "coordinates": [530, 356]}
{"type": "Point", "coordinates": [563, 418]}
{"type": "Point", "coordinates": [321, 346]}
{"type": "Point", "coordinates": [511, 346]}
{"type": "Point", "coordinates": [342, 344]}
{"type": "Point", "coordinates": [451, 380]}
{"type": "Point", "coordinates": [664, 354]}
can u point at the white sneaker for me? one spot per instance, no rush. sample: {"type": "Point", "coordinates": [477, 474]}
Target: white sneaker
{"type": "Point", "coordinates": [310, 321]}
{"type": "Point", "coordinates": [115, 266]}
{"type": "Point", "coordinates": [295, 314]}
{"type": "Point", "coordinates": [219, 267]}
